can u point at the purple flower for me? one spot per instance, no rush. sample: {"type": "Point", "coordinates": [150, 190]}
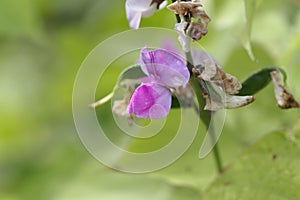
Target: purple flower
{"type": "Point", "coordinates": [164, 70]}
{"type": "Point", "coordinates": [136, 9]}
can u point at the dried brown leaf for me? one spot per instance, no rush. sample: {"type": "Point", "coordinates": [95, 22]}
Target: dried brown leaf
{"type": "Point", "coordinates": [198, 28]}
{"type": "Point", "coordinates": [284, 98]}
{"type": "Point", "coordinates": [213, 72]}
{"type": "Point", "coordinates": [229, 102]}
{"type": "Point", "coordinates": [183, 8]}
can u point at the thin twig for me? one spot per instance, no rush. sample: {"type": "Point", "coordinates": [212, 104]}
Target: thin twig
{"type": "Point", "coordinates": [102, 101]}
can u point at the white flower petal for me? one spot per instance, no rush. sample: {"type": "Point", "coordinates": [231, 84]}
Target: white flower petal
{"type": "Point", "coordinates": [133, 17]}
{"type": "Point", "coordinates": [184, 40]}
{"type": "Point", "coordinates": [163, 4]}
{"type": "Point", "coordinates": [139, 5]}
{"type": "Point", "coordinates": [150, 11]}
{"type": "Point", "coordinates": [136, 9]}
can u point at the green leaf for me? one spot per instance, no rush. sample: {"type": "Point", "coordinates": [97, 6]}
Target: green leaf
{"type": "Point", "coordinates": [114, 186]}
{"type": "Point", "coordinates": [267, 170]}
{"type": "Point", "coordinates": [250, 7]}
{"type": "Point", "coordinates": [258, 80]}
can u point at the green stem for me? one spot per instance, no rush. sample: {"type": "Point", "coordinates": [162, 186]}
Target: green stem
{"type": "Point", "coordinates": [102, 101]}
{"type": "Point", "coordinates": [205, 115]}
{"type": "Point", "coordinates": [216, 152]}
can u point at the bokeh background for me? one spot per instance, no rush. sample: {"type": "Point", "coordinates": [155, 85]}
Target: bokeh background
{"type": "Point", "coordinates": [42, 45]}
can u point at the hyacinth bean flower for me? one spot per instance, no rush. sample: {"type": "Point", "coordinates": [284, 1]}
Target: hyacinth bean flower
{"type": "Point", "coordinates": [136, 9]}
{"type": "Point", "coordinates": [164, 70]}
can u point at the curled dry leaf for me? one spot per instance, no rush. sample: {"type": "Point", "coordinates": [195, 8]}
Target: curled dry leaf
{"type": "Point", "coordinates": [229, 102]}
{"type": "Point", "coordinates": [218, 87]}
{"type": "Point", "coordinates": [211, 71]}
{"type": "Point", "coordinates": [224, 101]}
{"type": "Point", "coordinates": [193, 18]}
{"type": "Point", "coordinates": [198, 28]}
{"type": "Point", "coordinates": [229, 83]}
{"type": "Point", "coordinates": [183, 8]}
{"type": "Point", "coordinates": [284, 99]}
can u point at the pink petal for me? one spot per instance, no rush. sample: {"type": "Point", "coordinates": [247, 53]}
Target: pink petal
{"type": "Point", "coordinates": [150, 101]}
{"type": "Point", "coordinates": [169, 45]}
{"type": "Point", "coordinates": [145, 80]}
{"type": "Point", "coordinates": [164, 67]}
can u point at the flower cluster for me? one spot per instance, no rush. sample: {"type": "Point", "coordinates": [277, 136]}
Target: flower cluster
{"type": "Point", "coordinates": [163, 74]}
{"type": "Point", "coordinates": [152, 99]}
{"type": "Point", "coordinates": [164, 70]}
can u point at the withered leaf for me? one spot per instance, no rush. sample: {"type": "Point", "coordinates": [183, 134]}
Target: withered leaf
{"type": "Point", "coordinates": [182, 8]}
{"type": "Point", "coordinates": [211, 71]}
{"type": "Point", "coordinates": [284, 98]}
{"type": "Point", "coordinates": [229, 102]}
{"type": "Point", "coordinates": [224, 101]}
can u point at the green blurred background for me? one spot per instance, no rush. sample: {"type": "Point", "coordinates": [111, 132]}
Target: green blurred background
{"type": "Point", "coordinates": [42, 45]}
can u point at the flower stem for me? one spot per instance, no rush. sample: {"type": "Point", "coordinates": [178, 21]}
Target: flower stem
{"type": "Point", "coordinates": [216, 152]}
{"type": "Point", "coordinates": [205, 115]}
{"type": "Point", "coordinates": [102, 101]}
